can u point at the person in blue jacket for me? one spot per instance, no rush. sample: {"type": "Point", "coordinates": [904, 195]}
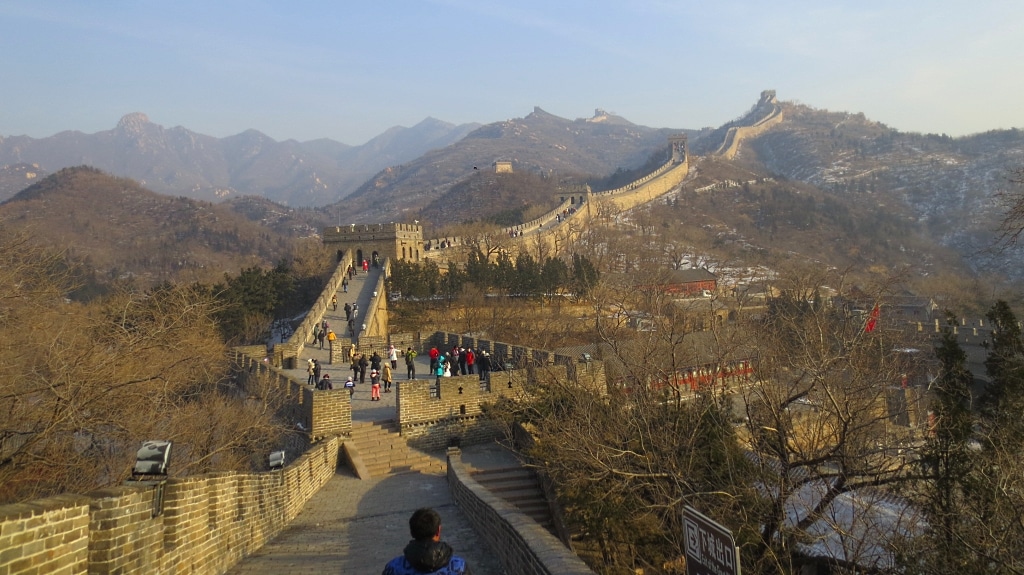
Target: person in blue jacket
{"type": "Point", "coordinates": [426, 553]}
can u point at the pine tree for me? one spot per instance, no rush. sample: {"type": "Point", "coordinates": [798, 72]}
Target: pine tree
{"type": "Point", "coordinates": [947, 458]}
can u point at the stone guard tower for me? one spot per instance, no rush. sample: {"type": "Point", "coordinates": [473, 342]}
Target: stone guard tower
{"type": "Point", "coordinates": [377, 241]}
{"type": "Point", "coordinates": [680, 148]}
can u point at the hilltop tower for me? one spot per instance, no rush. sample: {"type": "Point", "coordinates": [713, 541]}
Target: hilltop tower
{"type": "Point", "coordinates": [377, 241]}
{"type": "Point", "coordinates": [680, 148]}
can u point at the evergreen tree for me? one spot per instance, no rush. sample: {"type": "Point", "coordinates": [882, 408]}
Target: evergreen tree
{"type": "Point", "coordinates": [527, 276]}
{"type": "Point", "coordinates": [1004, 365]}
{"type": "Point", "coordinates": [584, 276]}
{"type": "Point", "coordinates": [479, 271]}
{"type": "Point", "coordinates": [553, 275]}
{"type": "Point", "coordinates": [947, 460]}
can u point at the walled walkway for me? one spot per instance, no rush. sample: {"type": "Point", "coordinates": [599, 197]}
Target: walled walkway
{"type": "Point", "coordinates": [355, 526]}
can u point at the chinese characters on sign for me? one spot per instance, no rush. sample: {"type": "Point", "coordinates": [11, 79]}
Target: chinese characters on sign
{"type": "Point", "coordinates": [710, 548]}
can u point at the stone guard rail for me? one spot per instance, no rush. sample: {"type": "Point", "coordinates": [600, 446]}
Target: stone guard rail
{"type": "Point", "coordinates": [523, 546]}
{"type": "Point", "coordinates": [297, 342]}
{"type": "Point", "coordinates": [209, 522]}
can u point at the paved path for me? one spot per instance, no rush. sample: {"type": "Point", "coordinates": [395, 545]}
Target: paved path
{"type": "Point", "coordinates": [355, 527]}
{"type": "Point", "coordinates": [360, 291]}
{"type": "Point", "coordinates": [352, 526]}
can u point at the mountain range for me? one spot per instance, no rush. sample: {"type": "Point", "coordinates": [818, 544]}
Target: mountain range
{"type": "Point", "coordinates": [945, 190]}
{"type": "Point", "coordinates": [178, 161]}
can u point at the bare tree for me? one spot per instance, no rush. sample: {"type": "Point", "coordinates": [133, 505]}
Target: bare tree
{"type": "Point", "coordinates": [83, 384]}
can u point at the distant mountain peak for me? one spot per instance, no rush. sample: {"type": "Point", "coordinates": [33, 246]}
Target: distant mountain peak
{"type": "Point", "coordinates": [133, 122]}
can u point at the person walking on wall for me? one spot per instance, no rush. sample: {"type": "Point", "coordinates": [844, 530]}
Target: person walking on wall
{"type": "Point", "coordinates": [309, 371]}
{"type": "Point", "coordinates": [393, 356]}
{"type": "Point", "coordinates": [385, 378]}
{"type": "Point", "coordinates": [434, 354]}
{"type": "Point", "coordinates": [355, 366]}
{"type": "Point", "coordinates": [410, 363]}
{"type": "Point", "coordinates": [374, 385]}
{"type": "Point", "coordinates": [426, 553]}
{"type": "Point", "coordinates": [331, 339]}
{"type": "Point", "coordinates": [334, 301]}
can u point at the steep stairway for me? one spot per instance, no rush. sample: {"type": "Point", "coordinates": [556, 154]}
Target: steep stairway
{"type": "Point", "coordinates": [385, 452]}
{"type": "Point", "coordinates": [520, 487]}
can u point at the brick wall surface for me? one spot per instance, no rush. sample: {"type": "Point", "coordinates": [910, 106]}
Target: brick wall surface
{"type": "Point", "coordinates": [208, 522]}
{"type": "Point", "coordinates": [45, 536]}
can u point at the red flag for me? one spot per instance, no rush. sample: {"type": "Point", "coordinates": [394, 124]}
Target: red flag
{"type": "Point", "coordinates": [872, 320]}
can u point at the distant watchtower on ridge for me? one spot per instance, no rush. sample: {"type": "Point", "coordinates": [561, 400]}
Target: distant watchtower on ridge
{"type": "Point", "coordinates": [375, 242]}
{"type": "Point", "coordinates": [680, 148]}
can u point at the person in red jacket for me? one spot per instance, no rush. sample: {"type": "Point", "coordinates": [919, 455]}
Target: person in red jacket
{"type": "Point", "coordinates": [433, 359]}
{"type": "Point", "coordinates": [470, 359]}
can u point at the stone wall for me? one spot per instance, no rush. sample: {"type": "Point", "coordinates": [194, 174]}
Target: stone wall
{"type": "Point", "coordinates": [375, 318]}
{"type": "Point", "coordinates": [319, 413]}
{"type": "Point", "coordinates": [397, 241]}
{"type": "Point", "coordinates": [737, 134]}
{"type": "Point", "coordinates": [304, 332]}
{"type": "Point", "coordinates": [208, 522]}
{"type": "Point", "coordinates": [429, 420]}
{"type": "Point", "coordinates": [523, 546]}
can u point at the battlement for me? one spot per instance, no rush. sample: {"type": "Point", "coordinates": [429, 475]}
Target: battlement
{"type": "Point", "coordinates": [375, 242]}
{"type": "Point", "coordinates": [372, 232]}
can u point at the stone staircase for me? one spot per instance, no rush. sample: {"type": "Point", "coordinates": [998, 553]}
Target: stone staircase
{"type": "Point", "coordinates": [385, 452]}
{"type": "Point", "coordinates": [520, 487]}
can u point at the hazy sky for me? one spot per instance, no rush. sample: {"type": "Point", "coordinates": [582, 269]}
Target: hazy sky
{"type": "Point", "coordinates": [349, 70]}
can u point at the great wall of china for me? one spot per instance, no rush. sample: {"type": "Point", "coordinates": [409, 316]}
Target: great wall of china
{"type": "Point", "coordinates": [206, 524]}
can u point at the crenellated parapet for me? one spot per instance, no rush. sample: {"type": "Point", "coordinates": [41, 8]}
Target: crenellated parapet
{"type": "Point", "coordinates": [398, 241]}
{"type": "Point", "coordinates": [772, 115]}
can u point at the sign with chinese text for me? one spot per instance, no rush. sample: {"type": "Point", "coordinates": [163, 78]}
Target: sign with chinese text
{"type": "Point", "coordinates": [710, 548]}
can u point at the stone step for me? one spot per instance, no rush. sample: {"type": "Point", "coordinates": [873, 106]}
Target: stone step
{"type": "Point", "coordinates": [520, 487]}
{"type": "Point", "coordinates": [495, 479]}
{"type": "Point", "coordinates": [383, 451]}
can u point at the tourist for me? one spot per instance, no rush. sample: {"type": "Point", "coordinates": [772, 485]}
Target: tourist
{"type": "Point", "coordinates": [484, 364]}
{"type": "Point", "coordinates": [441, 367]}
{"type": "Point", "coordinates": [363, 363]}
{"type": "Point", "coordinates": [374, 385]}
{"type": "Point", "coordinates": [426, 553]}
{"type": "Point", "coordinates": [433, 358]}
{"type": "Point", "coordinates": [355, 366]}
{"type": "Point", "coordinates": [410, 363]}
{"type": "Point", "coordinates": [385, 378]}
{"type": "Point", "coordinates": [393, 356]}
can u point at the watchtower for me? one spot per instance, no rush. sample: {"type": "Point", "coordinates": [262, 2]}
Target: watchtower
{"type": "Point", "coordinates": [577, 194]}
{"type": "Point", "coordinates": [374, 242]}
{"type": "Point", "coordinates": [680, 148]}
